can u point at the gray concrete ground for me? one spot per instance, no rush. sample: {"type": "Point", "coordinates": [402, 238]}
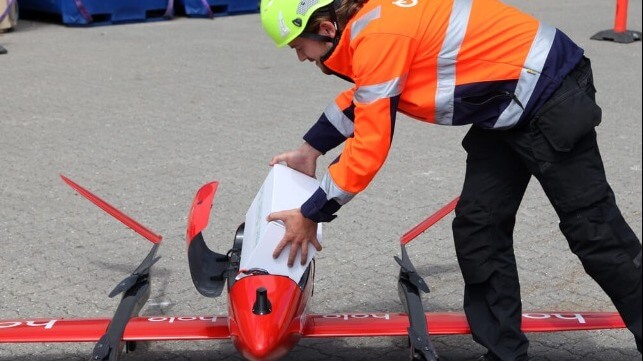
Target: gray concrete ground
{"type": "Point", "coordinates": [144, 114]}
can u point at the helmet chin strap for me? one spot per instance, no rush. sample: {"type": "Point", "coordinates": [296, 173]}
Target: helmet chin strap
{"type": "Point", "coordinates": [324, 38]}
{"type": "Point", "coordinates": [330, 51]}
{"type": "Point", "coordinates": [338, 31]}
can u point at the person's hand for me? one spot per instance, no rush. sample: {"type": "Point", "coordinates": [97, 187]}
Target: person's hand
{"type": "Point", "coordinates": [300, 231]}
{"type": "Point", "coordinates": [303, 159]}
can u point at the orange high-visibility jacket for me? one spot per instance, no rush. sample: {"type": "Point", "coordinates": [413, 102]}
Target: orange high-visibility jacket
{"type": "Point", "coordinates": [448, 62]}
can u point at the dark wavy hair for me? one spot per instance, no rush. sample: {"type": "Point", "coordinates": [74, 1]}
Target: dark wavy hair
{"type": "Point", "coordinates": [344, 10]}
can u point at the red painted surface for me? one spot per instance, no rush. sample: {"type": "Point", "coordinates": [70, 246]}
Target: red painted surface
{"type": "Point", "coordinates": [261, 335]}
{"type": "Point", "coordinates": [90, 330]}
{"type": "Point", "coordinates": [431, 220]}
{"type": "Point", "coordinates": [270, 336]}
{"type": "Point", "coordinates": [200, 210]}
{"type": "Point", "coordinates": [125, 219]}
{"type": "Point", "coordinates": [450, 323]}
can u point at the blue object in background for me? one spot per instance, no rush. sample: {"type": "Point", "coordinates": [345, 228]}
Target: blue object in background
{"type": "Point", "coordinates": [86, 12]}
{"type": "Point", "coordinates": [211, 8]}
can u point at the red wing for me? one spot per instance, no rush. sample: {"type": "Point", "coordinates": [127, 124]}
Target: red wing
{"type": "Point", "coordinates": [125, 219]}
{"type": "Point", "coordinates": [450, 323]}
{"type": "Point", "coordinates": [570, 321]}
{"type": "Point", "coordinates": [161, 328]}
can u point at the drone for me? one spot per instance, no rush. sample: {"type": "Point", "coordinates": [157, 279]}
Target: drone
{"type": "Point", "coordinates": [268, 314]}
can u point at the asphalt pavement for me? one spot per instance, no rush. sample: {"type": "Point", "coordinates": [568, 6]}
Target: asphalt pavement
{"type": "Point", "coordinates": [144, 114]}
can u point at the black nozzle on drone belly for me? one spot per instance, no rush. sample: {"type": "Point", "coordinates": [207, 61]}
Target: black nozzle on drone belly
{"type": "Point", "coordinates": [262, 304]}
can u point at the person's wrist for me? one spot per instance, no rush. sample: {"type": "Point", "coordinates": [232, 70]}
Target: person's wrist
{"type": "Point", "coordinates": [310, 151]}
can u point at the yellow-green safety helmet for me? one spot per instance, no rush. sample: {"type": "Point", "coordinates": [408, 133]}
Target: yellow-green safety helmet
{"type": "Point", "coordinates": [284, 20]}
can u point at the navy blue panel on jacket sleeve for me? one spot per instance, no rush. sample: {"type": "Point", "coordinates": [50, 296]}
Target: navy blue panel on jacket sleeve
{"type": "Point", "coordinates": [323, 136]}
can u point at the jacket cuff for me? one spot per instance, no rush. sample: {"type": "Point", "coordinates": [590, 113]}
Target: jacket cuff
{"type": "Point", "coordinates": [318, 208]}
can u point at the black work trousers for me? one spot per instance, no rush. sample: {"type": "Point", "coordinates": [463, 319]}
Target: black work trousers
{"type": "Point", "coordinates": [558, 147]}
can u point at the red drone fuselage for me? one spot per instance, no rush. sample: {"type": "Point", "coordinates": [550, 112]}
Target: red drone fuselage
{"type": "Point", "coordinates": [270, 336]}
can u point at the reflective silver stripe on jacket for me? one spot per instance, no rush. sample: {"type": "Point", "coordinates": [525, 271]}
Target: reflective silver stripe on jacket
{"type": "Point", "coordinates": [446, 61]}
{"type": "Point", "coordinates": [334, 192]}
{"type": "Point", "coordinates": [361, 23]}
{"type": "Point", "coordinates": [529, 75]}
{"type": "Point", "coordinates": [369, 93]}
{"type": "Point", "coordinates": [339, 120]}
